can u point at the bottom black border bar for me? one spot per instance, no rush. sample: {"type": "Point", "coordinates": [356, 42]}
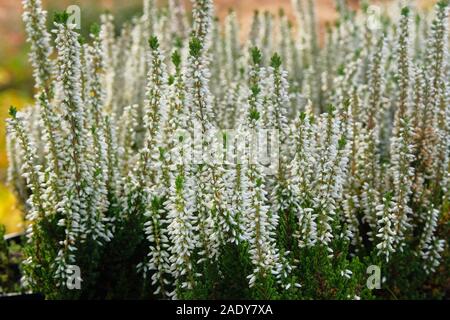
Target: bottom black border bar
{"type": "Point", "coordinates": [237, 309]}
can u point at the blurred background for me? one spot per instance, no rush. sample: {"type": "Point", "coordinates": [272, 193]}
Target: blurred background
{"type": "Point", "coordinates": [16, 86]}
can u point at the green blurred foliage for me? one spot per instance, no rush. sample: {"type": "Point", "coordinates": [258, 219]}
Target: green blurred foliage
{"type": "Point", "coordinates": [10, 258]}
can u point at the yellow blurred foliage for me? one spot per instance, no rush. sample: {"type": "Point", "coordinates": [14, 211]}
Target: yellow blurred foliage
{"type": "Point", "coordinates": [5, 77]}
{"type": "Point", "coordinates": [10, 215]}
{"type": "Point", "coordinates": [8, 98]}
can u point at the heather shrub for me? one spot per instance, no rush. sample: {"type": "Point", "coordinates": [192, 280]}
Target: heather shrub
{"type": "Point", "coordinates": [172, 160]}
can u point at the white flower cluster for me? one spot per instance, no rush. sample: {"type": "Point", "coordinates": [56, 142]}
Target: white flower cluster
{"type": "Point", "coordinates": [128, 128]}
{"type": "Point", "coordinates": [35, 21]}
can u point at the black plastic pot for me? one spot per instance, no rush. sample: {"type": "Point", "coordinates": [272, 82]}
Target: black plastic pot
{"type": "Point", "coordinates": [22, 296]}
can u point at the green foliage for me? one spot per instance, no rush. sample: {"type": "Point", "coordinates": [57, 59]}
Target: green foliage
{"type": "Point", "coordinates": [443, 3]}
{"type": "Point", "coordinates": [171, 80]}
{"type": "Point", "coordinates": [405, 11]}
{"type": "Point", "coordinates": [176, 58]}
{"type": "Point", "coordinates": [256, 55]}
{"type": "Point", "coordinates": [322, 277]}
{"type": "Point", "coordinates": [95, 29]}
{"type": "Point", "coordinates": [61, 17]}
{"type": "Point", "coordinates": [12, 111]}
{"type": "Point", "coordinates": [10, 257]}
{"type": "Point", "coordinates": [195, 47]}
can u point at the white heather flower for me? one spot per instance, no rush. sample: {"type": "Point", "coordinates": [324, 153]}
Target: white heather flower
{"type": "Point", "coordinates": [329, 180]}
{"type": "Point", "coordinates": [34, 18]}
{"type": "Point", "coordinates": [208, 177]}
{"type": "Point", "coordinates": [370, 151]}
{"type": "Point", "coordinates": [158, 256]}
{"type": "Point", "coordinates": [181, 227]}
{"type": "Point", "coordinates": [149, 18]}
{"type": "Point", "coordinates": [350, 201]}
{"type": "Point", "coordinates": [267, 37]}
{"type": "Point", "coordinates": [94, 123]}
{"type": "Point", "coordinates": [281, 197]}
{"type": "Point", "coordinates": [79, 204]}
{"type": "Point", "coordinates": [301, 174]}
{"type": "Point", "coordinates": [30, 170]}
{"type": "Point", "coordinates": [182, 230]}
{"type": "Point", "coordinates": [284, 40]}
{"type": "Point", "coordinates": [202, 13]}
{"type": "Point", "coordinates": [54, 155]}
{"type": "Point", "coordinates": [178, 18]}
{"type": "Point", "coordinates": [15, 159]}
{"type": "Point", "coordinates": [135, 66]}
{"type": "Point", "coordinates": [260, 223]}
{"type": "Point", "coordinates": [109, 56]}
{"type": "Point", "coordinates": [122, 47]}
{"type": "Point", "coordinates": [430, 247]}
{"type": "Point", "coordinates": [110, 147]}
{"type": "Point", "coordinates": [38, 206]}
{"type": "Point", "coordinates": [346, 273]}
{"type": "Point", "coordinates": [155, 110]}
{"type": "Point", "coordinates": [237, 185]}
{"type": "Point", "coordinates": [386, 232]}
{"type": "Point", "coordinates": [232, 46]}
{"type": "Point", "coordinates": [439, 95]}
{"type": "Point", "coordinates": [127, 139]}
{"type": "Point", "coordinates": [153, 171]}
{"type": "Point", "coordinates": [424, 140]}
{"type": "Point", "coordinates": [401, 151]}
